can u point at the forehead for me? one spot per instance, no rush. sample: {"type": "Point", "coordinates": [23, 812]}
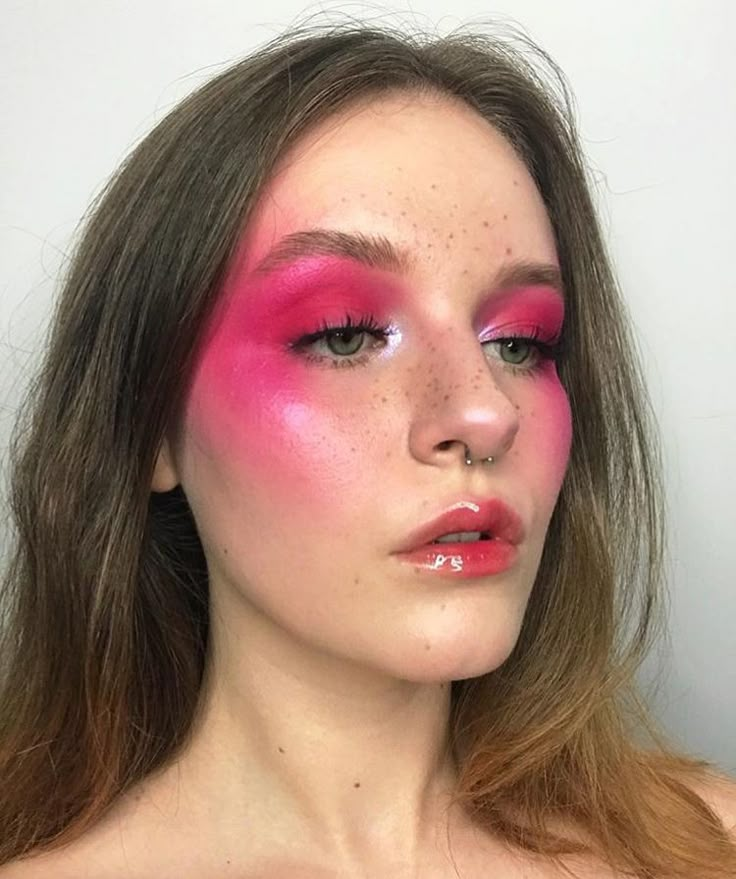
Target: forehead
{"type": "Point", "coordinates": [430, 148]}
{"type": "Point", "coordinates": [410, 167]}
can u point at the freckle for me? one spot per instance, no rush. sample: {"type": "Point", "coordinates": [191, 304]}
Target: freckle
{"type": "Point", "coordinates": [403, 213]}
{"type": "Point", "coordinates": [343, 198]}
{"type": "Point", "coordinates": [356, 784]}
{"type": "Point", "coordinates": [446, 397]}
{"type": "Point", "coordinates": [224, 549]}
{"type": "Point", "coordinates": [443, 607]}
{"type": "Point", "coordinates": [465, 231]}
{"type": "Point", "coordinates": [476, 248]}
{"type": "Point", "coordinates": [384, 400]}
{"type": "Point", "coordinates": [485, 222]}
{"type": "Point", "coordinates": [281, 749]}
{"type": "Point", "coordinates": [451, 235]}
{"type": "Point", "coordinates": [356, 581]}
{"type": "Point", "coordinates": [465, 271]}
{"type": "Point", "coordinates": [454, 205]}
{"type": "Point", "coordinates": [505, 216]}
{"type": "Point", "coordinates": [353, 449]}
{"type": "Point", "coordinates": [429, 244]}
{"type": "Point", "coordinates": [508, 251]}
{"type": "Point", "coordinates": [362, 195]}
{"type": "Point", "coordinates": [427, 646]}
{"type": "Point", "coordinates": [516, 182]}
{"type": "Point", "coordinates": [384, 214]}
{"type": "Point", "coordinates": [434, 186]}
{"type": "Point", "coordinates": [390, 192]}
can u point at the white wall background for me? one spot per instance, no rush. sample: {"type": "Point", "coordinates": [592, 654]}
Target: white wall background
{"type": "Point", "coordinates": [82, 81]}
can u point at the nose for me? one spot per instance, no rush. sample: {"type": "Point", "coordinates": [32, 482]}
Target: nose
{"type": "Point", "coordinates": [462, 401]}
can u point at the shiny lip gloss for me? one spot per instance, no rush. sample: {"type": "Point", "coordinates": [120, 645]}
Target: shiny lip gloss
{"type": "Point", "coordinates": [477, 558]}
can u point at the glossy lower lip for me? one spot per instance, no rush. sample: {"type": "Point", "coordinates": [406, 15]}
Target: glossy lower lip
{"type": "Point", "coordinates": [476, 559]}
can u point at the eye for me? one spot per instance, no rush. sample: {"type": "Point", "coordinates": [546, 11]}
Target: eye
{"type": "Point", "coordinates": [343, 341]}
{"type": "Point", "coordinates": [543, 351]}
{"type": "Point", "coordinates": [336, 339]}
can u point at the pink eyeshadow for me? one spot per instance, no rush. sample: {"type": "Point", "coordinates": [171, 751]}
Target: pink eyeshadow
{"type": "Point", "coordinates": [538, 306]}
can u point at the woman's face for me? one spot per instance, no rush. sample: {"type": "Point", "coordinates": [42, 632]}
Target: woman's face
{"type": "Point", "coordinates": [308, 467]}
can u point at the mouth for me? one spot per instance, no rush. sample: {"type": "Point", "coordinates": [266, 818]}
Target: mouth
{"type": "Point", "coordinates": [469, 521]}
{"type": "Point", "coordinates": [466, 537]}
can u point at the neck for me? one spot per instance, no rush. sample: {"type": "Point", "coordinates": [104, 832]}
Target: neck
{"type": "Point", "coordinates": [350, 764]}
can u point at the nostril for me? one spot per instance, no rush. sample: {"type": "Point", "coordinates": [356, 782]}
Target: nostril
{"type": "Point", "coordinates": [448, 444]}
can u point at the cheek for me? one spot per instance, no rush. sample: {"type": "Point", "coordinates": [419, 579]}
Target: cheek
{"type": "Point", "coordinates": [549, 434]}
{"type": "Point", "coordinates": [251, 416]}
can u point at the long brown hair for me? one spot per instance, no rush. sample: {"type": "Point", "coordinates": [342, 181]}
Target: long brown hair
{"type": "Point", "coordinates": [106, 592]}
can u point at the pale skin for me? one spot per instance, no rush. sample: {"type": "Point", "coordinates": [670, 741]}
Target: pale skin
{"type": "Point", "coordinates": [320, 750]}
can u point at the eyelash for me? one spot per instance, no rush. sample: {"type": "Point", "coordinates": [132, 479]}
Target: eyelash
{"type": "Point", "coordinates": [368, 324]}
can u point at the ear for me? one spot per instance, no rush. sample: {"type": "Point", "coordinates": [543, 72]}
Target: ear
{"type": "Point", "coordinates": [165, 476]}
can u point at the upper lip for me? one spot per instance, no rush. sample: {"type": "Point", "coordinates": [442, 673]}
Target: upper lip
{"type": "Point", "coordinates": [470, 514]}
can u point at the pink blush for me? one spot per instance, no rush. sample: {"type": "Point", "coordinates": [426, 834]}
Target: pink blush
{"type": "Point", "coordinates": [248, 407]}
{"type": "Point", "coordinates": [255, 406]}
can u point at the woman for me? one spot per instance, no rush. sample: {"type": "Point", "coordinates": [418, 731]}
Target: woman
{"type": "Point", "coordinates": [349, 298]}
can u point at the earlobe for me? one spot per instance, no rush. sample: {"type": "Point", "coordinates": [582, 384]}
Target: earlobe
{"type": "Point", "coordinates": [165, 476]}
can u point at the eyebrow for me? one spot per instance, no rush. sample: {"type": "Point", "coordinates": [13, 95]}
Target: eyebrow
{"type": "Point", "coordinates": [377, 251]}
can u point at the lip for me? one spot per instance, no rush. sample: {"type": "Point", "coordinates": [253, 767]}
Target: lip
{"type": "Point", "coordinates": [459, 560]}
{"type": "Point", "coordinates": [469, 514]}
{"type": "Point", "coordinates": [476, 559]}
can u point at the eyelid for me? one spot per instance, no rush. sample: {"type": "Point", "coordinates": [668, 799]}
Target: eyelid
{"type": "Point", "coordinates": [517, 329]}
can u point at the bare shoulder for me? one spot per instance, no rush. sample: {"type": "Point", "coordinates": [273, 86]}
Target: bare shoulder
{"type": "Point", "coordinates": [98, 853]}
{"type": "Point", "coordinates": [75, 860]}
{"type": "Point", "coordinates": [40, 866]}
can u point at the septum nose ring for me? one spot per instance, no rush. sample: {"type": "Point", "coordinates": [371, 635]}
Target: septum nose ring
{"type": "Point", "coordinates": [469, 460]}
